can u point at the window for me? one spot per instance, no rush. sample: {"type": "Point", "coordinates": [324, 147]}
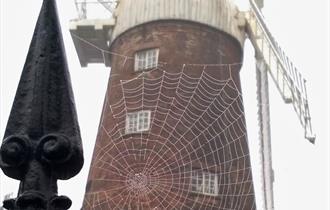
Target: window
{"type": "Point", "coordinates": [137, 121]}
{"type": "Point", "coordinates": [146, 59]}
{"type": "Point", "coordinates": [204, 182]}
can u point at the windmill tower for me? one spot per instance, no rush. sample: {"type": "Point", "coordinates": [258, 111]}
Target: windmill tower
{"type": "Point", "coordinates": [172, 133]}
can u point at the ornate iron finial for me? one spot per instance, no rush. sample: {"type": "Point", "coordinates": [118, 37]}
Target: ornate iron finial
{"type": "Point", "coordinates": [42, 140]}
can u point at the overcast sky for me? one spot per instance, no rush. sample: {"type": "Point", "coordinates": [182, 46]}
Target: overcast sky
{"type": "Point", "coordinates": [301, 28]}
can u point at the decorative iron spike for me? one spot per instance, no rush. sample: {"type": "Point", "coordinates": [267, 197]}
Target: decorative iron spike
{"type": "Point", "coordinates": [42, 140]}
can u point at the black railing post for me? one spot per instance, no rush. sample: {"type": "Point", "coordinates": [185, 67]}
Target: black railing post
{"type": "Point", "coordinates": [42, 140]}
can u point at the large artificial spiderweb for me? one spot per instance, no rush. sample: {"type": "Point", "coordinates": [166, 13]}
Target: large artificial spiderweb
{"type": "Point", "coordinates": [194, 154]}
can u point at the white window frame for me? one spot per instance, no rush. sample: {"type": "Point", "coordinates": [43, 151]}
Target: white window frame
{"type": "Point", "coordinates": [146, 59]}
{"type": "Point", "coordinates": [204, 183]}
{"type": "Point", "coordinates": [137, 121]}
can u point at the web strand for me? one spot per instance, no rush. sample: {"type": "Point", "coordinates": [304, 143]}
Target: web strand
{"type": "Point", "coordinates": [197, 126]}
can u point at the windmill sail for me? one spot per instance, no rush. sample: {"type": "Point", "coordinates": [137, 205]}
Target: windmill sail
{"type": "Point", "coordinates": [265, 135]}
{"type": "Point", "coordinates": [81, 6]}
{"type": "Point", "coordinates": [109, 5]}
{"type": "Point", "coordinates": [289, 82]}
{"type": "Point", "coordinates": [81, 9]}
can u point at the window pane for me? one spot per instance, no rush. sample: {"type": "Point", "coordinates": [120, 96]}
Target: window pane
{"type": "Point", "coordinates": [194, 182]}
{"type": "Point", "coordinates": [140, 122]}
{"type": "Point", "coordinates": [197, 182]}
{"type": "Point", "coordinates": [137, 121]}
{"type": "Point", "coordinates": [131, 122]}
{"type": "Point", "coordinates": [141, 64]}
{"type": "Point", "coordinates": [204, 182]}
{"type": "Point", "coordinates": [146, 59]}
{"type": "Point", "coordinates": [211, 181]}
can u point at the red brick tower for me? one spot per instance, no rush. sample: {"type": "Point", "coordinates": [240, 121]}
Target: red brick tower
{"type": "Point", "coordinates": [172, 133]}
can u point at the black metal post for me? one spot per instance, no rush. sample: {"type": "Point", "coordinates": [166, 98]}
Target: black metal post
{"type": "Point", "coordinates": [42, 140]}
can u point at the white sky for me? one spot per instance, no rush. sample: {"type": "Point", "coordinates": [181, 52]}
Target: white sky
{"type": "Point", "coordinates": [301, 28]}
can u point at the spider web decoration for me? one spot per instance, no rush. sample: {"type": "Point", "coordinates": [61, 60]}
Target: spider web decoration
{"type": "Point", "coordinates": [194, 154]}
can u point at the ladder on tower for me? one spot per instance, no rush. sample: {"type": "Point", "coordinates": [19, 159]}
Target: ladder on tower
{"type": "Point", "coordinates": [288, 80]}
